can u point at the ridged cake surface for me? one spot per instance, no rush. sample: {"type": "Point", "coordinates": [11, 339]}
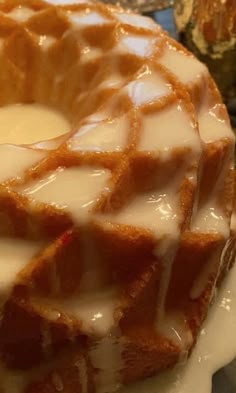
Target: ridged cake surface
{"type": "Point", "coordinates": [114, 236]}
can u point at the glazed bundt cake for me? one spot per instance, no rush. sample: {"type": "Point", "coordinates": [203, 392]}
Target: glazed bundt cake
{"type": "Point", "coordinates": [116, 234]}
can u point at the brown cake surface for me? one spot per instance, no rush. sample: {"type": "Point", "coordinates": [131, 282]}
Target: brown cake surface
{"type": "Point", "coordinates": [115, 235]}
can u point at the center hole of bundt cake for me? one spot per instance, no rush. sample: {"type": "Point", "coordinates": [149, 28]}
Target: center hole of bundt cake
{"type": "Point", "coordinates": [31, 123]}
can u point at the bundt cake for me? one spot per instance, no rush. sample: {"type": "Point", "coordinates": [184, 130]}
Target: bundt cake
{"type": "Point", "coordinates": [115, 234]}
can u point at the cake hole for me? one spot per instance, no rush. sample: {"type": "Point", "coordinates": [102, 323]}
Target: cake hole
{"type": "Point", "coordinates": [30, 123]}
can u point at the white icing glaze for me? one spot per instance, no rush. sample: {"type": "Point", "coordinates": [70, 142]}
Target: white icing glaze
{"type": "Point", "coordinates": [82, 19]}
{"type": "Point", "coordinates": [101, 351]}
{"type": "Point", "coordinates": [98, 116]}
{"type": "Point", "coordinates": [185, 68]}
{"type": "Point", "coordinates": [58, 189]}
{"type": "Point", "coordinates": [225, 256]}
{"type": "Point", "coordinates": [106, 136]}
{"type": "Point", "coordinates": [137, 20]}
{"type": "Point", "coordinates": [83, 374]}
{"type": "Point", "coordinates": [194, 376]}
{"type": "Point", "coordinates": [159, 212]}
{"type": "Point", "coordinates": [88, 54]}
{"type": "Point", "coordinates": [114, 81]}
{"type": "Point", "coordinates": [167, 251]}
{"type": "Point", "coordinates": [174, 328]}
{"type": "Point", "coordinates": [14, 256]}
{"type": "Point", "coordinates": [211, 126]}
{"type": "Point", "coordinates": [207, 357]}
{"type": "Point", "coordinates": [46, 41]}
{"type": "Point", "coordinates": [147, 88]}
{"type": "Point", "coordinates": [95, 310]}
{"type": "Point", "coordinates": [21, 14]}
{"type": "Point", "coordinates": [106, 357]}
{"type": "Point", "coordinates": [15, 160]}
{"type": "Point", "coordinates": [210, 218]}
{"type": "Point", "coordinates": [138, 45]}
{"type": "Point", "coordinates": [29, 123]}
{"type": "Point", "coordinates": [162, 135]}
{"type": "Point", "coordinates": [156, 211]}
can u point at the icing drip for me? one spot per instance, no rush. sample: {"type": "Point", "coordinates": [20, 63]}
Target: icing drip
{"type": "Point", "coordinates": [106, 357]}
{"type": "Point", "coordinates": [207, 357]}
{"type": "Point", "coordinates": [83, 375]}
{"type": "Point", "coordinates": [195, 375]}
{"type": "Point", "coordinates": [14, 256]}
{"type": "Point", "coordinates": [77, 190]}
{"type": "Point", "coordinates": [212, 217]}
{"type": "Point", "coordinates": [95, 310]}
{"type": "Point", "coordinates": [156, 211]}
{"type": "Point", "coordinates": [167, 251]}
